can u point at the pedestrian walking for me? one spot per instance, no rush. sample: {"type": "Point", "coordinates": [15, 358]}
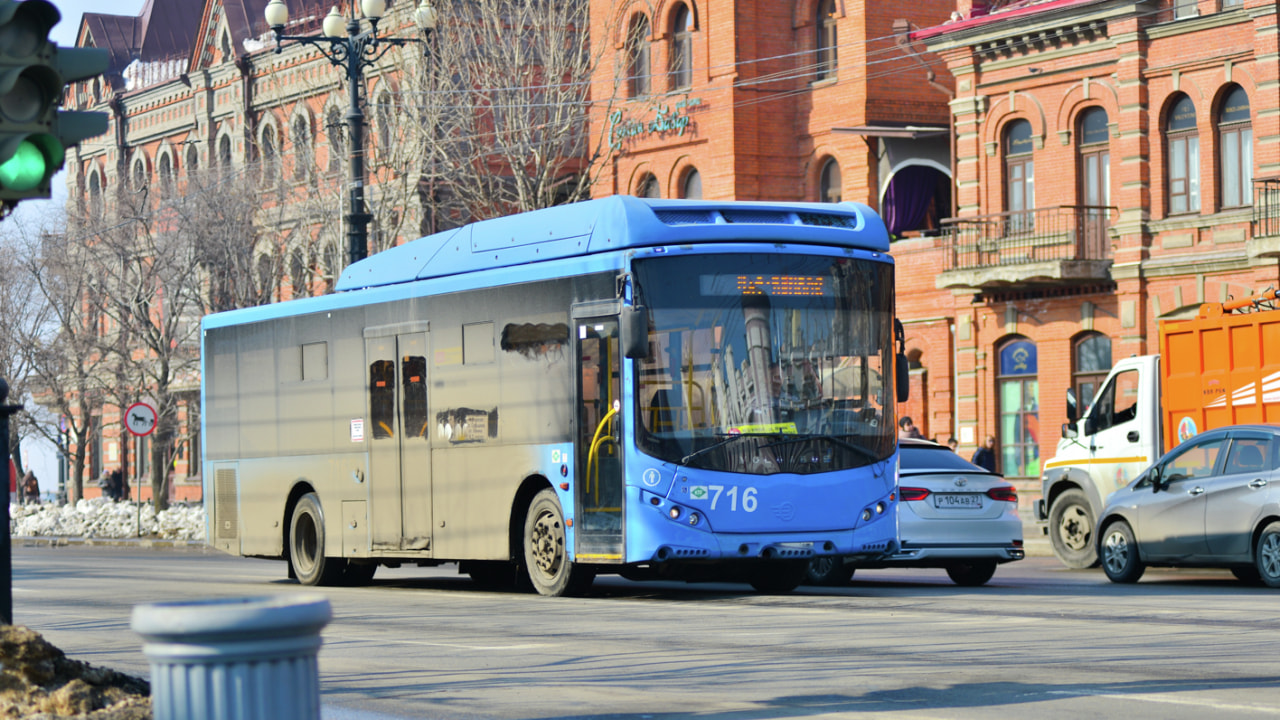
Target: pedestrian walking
{"type": "Point", "coordinates": [985, 456]}
{"type": "Point", "coordinates": [30, 488]}
{"type": "Point", "coordinates": [907, 428]}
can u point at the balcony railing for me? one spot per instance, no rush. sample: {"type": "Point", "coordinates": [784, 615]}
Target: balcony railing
{"type": "Point", "coordinates": [1266, 207]}
{"type": "Point", "coordinates": [1063, 232]}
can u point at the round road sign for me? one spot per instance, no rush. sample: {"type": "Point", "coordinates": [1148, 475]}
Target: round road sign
{"type": "Point", "coordinates": [140, 419]}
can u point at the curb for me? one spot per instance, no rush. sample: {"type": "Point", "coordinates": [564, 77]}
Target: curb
{"type": "Point", "coordinates": [146, 543]}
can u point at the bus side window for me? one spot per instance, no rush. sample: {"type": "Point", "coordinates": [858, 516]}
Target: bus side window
{"type": "Point", "coordinates": [382, 398]}
{"type": "Point", "coordinates": [414, 372]}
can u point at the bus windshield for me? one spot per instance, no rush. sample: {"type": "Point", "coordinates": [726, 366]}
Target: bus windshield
{"type": "Point", "coordinates": [765, 363]}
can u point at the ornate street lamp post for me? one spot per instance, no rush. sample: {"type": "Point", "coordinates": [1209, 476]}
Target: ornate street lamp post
{"type": "Point", "coordinates": [357, 51]}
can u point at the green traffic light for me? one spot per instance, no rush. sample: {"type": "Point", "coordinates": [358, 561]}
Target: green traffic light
{"type": "Point", "coordinates": [25, 170]}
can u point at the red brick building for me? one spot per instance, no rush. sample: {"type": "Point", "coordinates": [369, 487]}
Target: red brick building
{"type": "Point", "coordinates": [1108, 161]}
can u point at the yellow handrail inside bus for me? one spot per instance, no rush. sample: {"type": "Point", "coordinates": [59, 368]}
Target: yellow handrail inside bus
{"type": "Point", "coordinates": [592, 461]}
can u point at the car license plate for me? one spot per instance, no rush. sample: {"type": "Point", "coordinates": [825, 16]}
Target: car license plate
{"type": "Point", "coordinates": [957, 500]}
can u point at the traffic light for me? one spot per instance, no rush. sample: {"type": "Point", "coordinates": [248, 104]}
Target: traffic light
{"type": "Point", "coordinates": [34, 133]}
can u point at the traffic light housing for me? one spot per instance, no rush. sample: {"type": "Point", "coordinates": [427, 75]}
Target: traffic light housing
{"type": "Point", "coordinates": [34, 72]}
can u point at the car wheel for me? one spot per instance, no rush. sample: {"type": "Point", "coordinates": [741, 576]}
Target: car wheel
{"type": "Point", "coordinates": [306, 545]}
{"type": "Point", "coordinates": [1071, 530]}
{"type": "Point", "coordinates": [1267, 555]}
{"type": "Point", "coordinates": [972, 573]}
{"type": "Point", "coordinates": [1120, 554]}
{"type": "Point", "coordinates": [830, 570]}
{"type": "Point", "coordinates": [546, 557]}
{"type": "Point", "coordinates": [778, 577]}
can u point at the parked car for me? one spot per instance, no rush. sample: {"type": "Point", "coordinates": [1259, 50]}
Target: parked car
{"type": "Point", "coordinates": [1212, 501]}
{"type": "Point", "coordinates": [952, 514]}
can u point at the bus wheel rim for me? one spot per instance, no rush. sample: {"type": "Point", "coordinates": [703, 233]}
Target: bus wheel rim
{"type": "Point", "coordinates": [547, 541]}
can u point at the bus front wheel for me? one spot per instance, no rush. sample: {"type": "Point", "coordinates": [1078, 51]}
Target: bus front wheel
{"type": "Point", "coordinates": [306, 545]}
{"type": "Point", "coordinates": [546, 556]}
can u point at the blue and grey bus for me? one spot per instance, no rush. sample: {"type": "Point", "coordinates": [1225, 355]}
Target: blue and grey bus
{"type": "Point", "coordinates": [679, 389]}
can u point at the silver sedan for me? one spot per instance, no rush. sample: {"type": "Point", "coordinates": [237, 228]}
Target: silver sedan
{"type": "Point", "coordinates": [1213, 501]}
{"type": "Point", "coordinates": [952, 514]}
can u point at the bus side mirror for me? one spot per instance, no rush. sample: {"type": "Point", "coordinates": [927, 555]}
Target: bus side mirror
{"type": "Point", "coordinates": [1072, 410]}
{"type": "Point", "coordinates": [903, 378]}
{"type": "Point", "coordinates": [634, 326]}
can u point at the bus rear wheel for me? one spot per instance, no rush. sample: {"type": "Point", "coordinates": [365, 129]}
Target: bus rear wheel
{"type": "Point", "coordinates": [546, 556]}
{"type": "Point", "coordinates": [306, 545]}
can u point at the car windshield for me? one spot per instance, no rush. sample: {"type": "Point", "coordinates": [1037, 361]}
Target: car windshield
{"type": "Point", "coordinates": [929, 458]}
{"type": "Point", "coordinates": [766, 362]}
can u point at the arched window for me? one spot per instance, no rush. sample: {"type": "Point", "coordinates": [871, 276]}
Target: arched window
{"type": "Point", "coordinates": [193, 159]}
{"type": "Point", "coordinates": [829, 187]}
{"type": "Point", "coordinates": [648, 187]}
{"type": "Point", "coordinates": [139, 177]}
{"type": "Point", "coordinates": [1019, 175]}
{"type": "Point", "coordinates": [166, 175]}
{"type": "Point", "coordinates": [224, 152]}
{"type": "Point", "coordinates": [691, 186]}
{"type": "Point", "coordinates": [270, 158]}
{"type": "Point", "coordinates": [1019, 403]}
{"type": "Point", "coordinates": [95, 195]}
{"type": "Point", "coordinates": [301, 137]}
{"type": "Point", "coordinates": [827, 44]}
{"type": "Point", "coordinates": [638, 56]}
{"type": "Point", "coordinates": [1095, 178]}
{"type": "Point", "coordinates": [298, 273]}
{"type": "Point", "coordinates": [1090, 362]}
{"type": "Point", "coordinates": [1235, 149]}
{"type": "Point", "coordinates": [681, 57]}
{"type": "Point", "coordinates": [334, 125]}
{"type": "Point", "coordinates": [331, 267]}
{"type": "Point", "coordinates": [1182, 157]}
{"type": "Point", "coordinates": [384, 124]}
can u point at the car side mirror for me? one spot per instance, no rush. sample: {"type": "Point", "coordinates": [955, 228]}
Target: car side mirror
{"type": "Point", "coordinates": [1069, 430]}
{"type": "Point", "coordinates": [633, 325]}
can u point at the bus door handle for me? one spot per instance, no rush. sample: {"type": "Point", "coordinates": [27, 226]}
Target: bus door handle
{"type": "Point", "coordinates": [1132, 436]}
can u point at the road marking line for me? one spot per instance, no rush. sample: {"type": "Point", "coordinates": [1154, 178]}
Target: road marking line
{"type": "Point", "coordinates": [1171, 700]}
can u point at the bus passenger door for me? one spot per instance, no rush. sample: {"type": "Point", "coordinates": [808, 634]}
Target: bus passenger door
{"type": "Point", "coordinates": [399, 450]}
{"type": "Point", "coordinates": [598, 530]}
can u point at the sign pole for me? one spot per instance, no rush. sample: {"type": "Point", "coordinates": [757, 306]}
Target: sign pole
{"type": "Point", "coordinates": [6, 560]}
{"type": "Point", "coordinates": [140, 419]}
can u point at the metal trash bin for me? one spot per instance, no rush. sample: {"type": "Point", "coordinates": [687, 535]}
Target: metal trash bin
{"type": "Point", "coordinates": [234, 659]}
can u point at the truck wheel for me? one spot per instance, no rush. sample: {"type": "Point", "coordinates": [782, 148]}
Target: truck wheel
{"type": "Point", "coordinates": [546, 556]}
{"type": "Point", "coordinates": [829, 570]}
{"type": "Point", "coordinates": [1267, 555]}
{"type": "Point", "coordinates": [1071, 530]}
{"type": "Point", "coordinates": [306, 545]}
{"type": "Point", "coordinates": [972, 573]}
{"type": "Point", "coordinates": [1120, 554]}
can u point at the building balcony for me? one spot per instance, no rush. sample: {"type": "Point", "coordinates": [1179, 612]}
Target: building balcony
{"type": "Point", "coordinates": [1042, 247]}
{"type": "Point", "coordinates": [1264, 226]}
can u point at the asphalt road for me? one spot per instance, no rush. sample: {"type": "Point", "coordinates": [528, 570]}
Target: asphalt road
{"type": "Point", "coordinates": [1038, 641]}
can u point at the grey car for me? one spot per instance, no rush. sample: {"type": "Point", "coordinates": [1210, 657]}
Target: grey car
{"type": "Point", "coordinates": [952, 514]}
{"type": "Point", "coordinates": [1212, 501]}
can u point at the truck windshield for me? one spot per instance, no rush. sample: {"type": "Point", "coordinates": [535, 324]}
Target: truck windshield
{"type": "Point", "coordinates": [766, 363]}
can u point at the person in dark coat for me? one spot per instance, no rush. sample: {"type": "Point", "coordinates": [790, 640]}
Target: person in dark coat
{"type": "Point", "coordinates": [985, 456]}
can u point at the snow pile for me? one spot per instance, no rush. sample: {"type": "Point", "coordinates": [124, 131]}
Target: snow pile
{"type": "Point", "coordinates": [99, 518]}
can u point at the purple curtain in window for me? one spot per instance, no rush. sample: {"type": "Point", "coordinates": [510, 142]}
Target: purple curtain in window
{"type": "Point", "coordinates": [908, 197]}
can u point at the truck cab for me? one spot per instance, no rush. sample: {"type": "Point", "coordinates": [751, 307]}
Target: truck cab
{"type": "Point", "coordinates": [1113, 440]}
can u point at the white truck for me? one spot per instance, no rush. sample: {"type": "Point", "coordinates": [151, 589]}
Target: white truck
{"type": "Point", "coordinates": [1220, 368]}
